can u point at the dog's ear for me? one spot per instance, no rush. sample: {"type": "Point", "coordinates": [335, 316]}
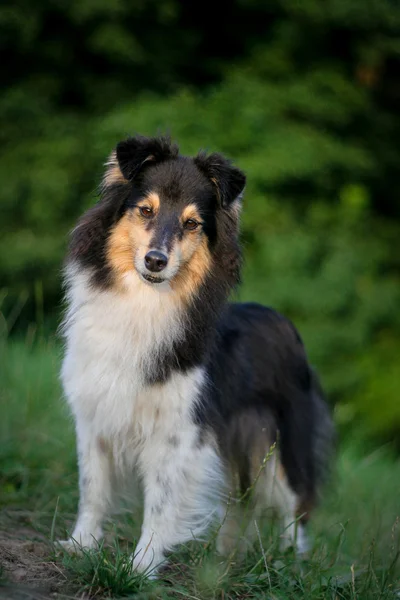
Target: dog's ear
{"type": "Point", "coordinates": [132, 154]}
{"type": "Point", "coordinates": [229, 181]}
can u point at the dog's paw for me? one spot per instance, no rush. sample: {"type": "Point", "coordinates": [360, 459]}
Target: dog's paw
{"type": "Point", "coordinates": [77, 545]}
{"type": "Point", "coordinates": [70, 546]}
{"type": "Point", "coordinates": [294, 539]}
{"type": "Point", "coordinates": [147, 562]}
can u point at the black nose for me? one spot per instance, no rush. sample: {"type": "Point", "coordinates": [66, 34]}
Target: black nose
{"type": "Point", "coordinates": [155, 261]}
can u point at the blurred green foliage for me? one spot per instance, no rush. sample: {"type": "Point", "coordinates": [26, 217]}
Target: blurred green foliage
{"type": "Point", "coordinates": [303, 95]}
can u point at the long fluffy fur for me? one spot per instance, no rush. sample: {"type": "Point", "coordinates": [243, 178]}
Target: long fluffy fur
{"type": "Point", "coordinates": [167, 379]}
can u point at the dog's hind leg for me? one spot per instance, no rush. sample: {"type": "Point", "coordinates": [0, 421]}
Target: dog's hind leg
{"type": "Point", "coordinates": [94, 489]}
{"type": "Point", "coordinates": [273, 492]}
{"type": "Point", "coordinates": [268, 496]}
{"type": "Point", "coordinates": [231, 534]}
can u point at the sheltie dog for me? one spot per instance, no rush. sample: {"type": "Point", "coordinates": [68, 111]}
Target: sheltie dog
{"type": "Point", "coordinates": [212, 405]}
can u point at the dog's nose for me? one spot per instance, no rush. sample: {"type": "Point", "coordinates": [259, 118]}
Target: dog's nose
{"type": "Point", "coordinates": [155, 261]}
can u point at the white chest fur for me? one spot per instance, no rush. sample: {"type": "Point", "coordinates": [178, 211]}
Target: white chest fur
{"type": "Point", "coordinates": [112, 338]}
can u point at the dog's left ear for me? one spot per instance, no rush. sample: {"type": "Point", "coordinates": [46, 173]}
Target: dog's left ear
{"type": "Point", "coordinates": [229, 181]}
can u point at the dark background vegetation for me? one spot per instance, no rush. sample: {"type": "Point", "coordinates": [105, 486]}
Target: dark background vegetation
{"type": "Point", "coordinates": [304, 96]}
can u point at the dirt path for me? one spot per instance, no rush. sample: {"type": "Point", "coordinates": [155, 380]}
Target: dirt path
{"type": "Point", "coordinates": [27, 569]}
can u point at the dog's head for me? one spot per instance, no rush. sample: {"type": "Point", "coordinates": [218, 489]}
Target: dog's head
{"type": "Point", "coordinates": [165, 211]}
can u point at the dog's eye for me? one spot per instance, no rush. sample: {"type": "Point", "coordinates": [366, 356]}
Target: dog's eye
{"type": "Point", "coordinates": [191, 224]}
{"type": "Point", "coordinates": [146, 211]}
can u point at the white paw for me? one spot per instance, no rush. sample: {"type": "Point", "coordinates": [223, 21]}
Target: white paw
{"type": "Point", "coordinates": [232, 545]}
{"type": "Point", "coordinates": [69, 546]}
{"type": "Point", "coordinates": [286, 542]}
{"type": "Point", "coordinates": [147, 561]}
{"type": "Point", "coordinates": [302, 541]}
{"type": "Point", "coordinates": [75, 545]}
{"type": "Point", "coordinates": [294, 538]}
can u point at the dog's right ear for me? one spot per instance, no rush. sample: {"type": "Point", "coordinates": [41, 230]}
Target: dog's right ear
{"type": "Point", "coordinates": [228, 180]}
{"type": "Point", "coordinates": [135, 152]}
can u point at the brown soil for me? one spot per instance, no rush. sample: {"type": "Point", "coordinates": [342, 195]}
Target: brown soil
{"type": "Point", "coordinates": [27, 569]}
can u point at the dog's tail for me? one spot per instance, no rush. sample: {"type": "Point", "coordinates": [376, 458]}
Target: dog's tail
{"type": "Point", "coordinates": [324, 432]}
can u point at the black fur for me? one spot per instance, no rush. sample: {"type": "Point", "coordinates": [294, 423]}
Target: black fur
{"type": "Point", "coordinates": [259, 364]}
{"type": "Point", "coordinates": [89, 238]}
{"type": "Point", "coordinates": [228, 180]}
{"type": "Point", "coordinates": [135, 152]}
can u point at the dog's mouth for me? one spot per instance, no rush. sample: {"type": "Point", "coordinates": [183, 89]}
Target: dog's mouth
{"type": "Point", "coordinates": [152, 279]}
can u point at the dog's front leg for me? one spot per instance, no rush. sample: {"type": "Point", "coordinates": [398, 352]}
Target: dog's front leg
{"type": "Point", "coordinates": [94, 489]}
{"type": "Point", "coordinates": [180, 479]}
{"type": "Point", "coordinates": [160, 521]}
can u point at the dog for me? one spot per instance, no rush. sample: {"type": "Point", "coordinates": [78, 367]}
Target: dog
{"type": "Point", "coordinates": [209, 403]}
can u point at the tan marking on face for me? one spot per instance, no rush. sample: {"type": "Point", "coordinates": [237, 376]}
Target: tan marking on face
{"type": "Point", "coordinates": [152, 200]}
{"type": "Point", "coordinates": [113, 173]}
{"type": "Point", "coordinates": [130, 240]}
{"type": "Point", "coordinates": [190, 212]}
{"type": "Point", "coordinates": [127, 238]}
{"type": "Point", "coordinates": [196, 263]}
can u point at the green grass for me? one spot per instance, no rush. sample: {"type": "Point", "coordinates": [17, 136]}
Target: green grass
{"type": "Point", "coordinates": [355, 532]}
